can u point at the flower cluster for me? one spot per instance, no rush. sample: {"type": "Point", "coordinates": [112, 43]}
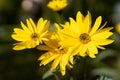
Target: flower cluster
{"type": "Point", "coordinates": [74, 38]}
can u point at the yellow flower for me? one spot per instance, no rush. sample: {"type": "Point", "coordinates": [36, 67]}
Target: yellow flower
{"type": "Point", "coordinates": [57, 5]}
{"type": "Point", "coordinates": [84, 38]}
{"type": "Point", "coordinates": [31, 35]}
{"type": "Point", "coordinates": [118, 28]}
{"type": "Point", "coordinates": [61, 57]}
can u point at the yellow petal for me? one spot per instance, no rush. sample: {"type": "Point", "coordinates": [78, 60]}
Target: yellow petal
{"type": "Point", "coordinates": [44, 34]}
{"type": "Point", "coordinates": [87, 23]}
{"type": "Point", "coordinates": [105, 29]}
{"type": "Point", "coordinates": [104, 42]}
{"type": "Point", "coordinates": [83, 49]}
{"type": "Point", "coordinates": [25, 28]}
{"type": "Point", "coordinates": [69, 65]}
{"type": "Point", "coordinates": [74, 26]}
{"type": "Point", "coordinates": [20, 35]}
{"type": "Point", "coordinates": [46, 26]}
{"type": "Point", "coordinates": [102, 26]}
{"type": "Point", "coordinates": [92, 50]}
{"type": "Point", "coordinates": [63, 65]}
{"type": "Point", "coordinates": [41, 25]}
{"type": "Point", "coordinates": [69, 43]}
{"type": "Point", "coordinates": [79, 20]}
{"type": "Point", "coordinates": [101, 36]}
{"type": "Point", "coordinates": [80, 49]}
{"type": "Point", "coordinates": [31, 25]}
{"type": "Point", "coordinates": [31, 44]}
{"type": "Point", "coordinates": [45, 55]}
{"type": "Point", "coordinates": [71, 55]}
{"type": "Point", "coordinates": [100, 47]}
{"type": "Point", "coordinates": [24, 44]}
{"type": "Point", "coordinates": [17, 31]}
{"type": "Point", "coordinates": [69, 33]}
{"type": "Point", "coordinates": [48, 60]}
{"type": "Point", "coordinates": [71, 59]}
{"type": "Point", "coordinates": [96, 25]}
{"type": "Point", "coordinates": [64, 61]}
{"type": "Point", "coordinates": [56, 62]}
{"type": "Point", "coordinates": [19, 46]}
{"type": "Point", "coordinates": [57, 27]}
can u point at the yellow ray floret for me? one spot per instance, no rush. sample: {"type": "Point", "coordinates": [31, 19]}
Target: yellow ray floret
{"type": "Point", "coordinates": [84, 37]}
{"type": "Point", "coordinates": [31, 35]}
{"type": "Point", "coordinates": [57, 5]}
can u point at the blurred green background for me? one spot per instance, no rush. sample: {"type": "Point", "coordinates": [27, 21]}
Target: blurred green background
{"type": "Point", "coordinates": [23, 65]}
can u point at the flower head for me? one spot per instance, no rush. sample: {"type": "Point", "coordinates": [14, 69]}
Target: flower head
{"type": "Point", "coordinates": [61, 57]}
{"type": "Point", "coordinates": [83, 37]}
{"type": "Point", "coordinates": [57, 5]}
{"type": "Point", "coordinates": [31, 35]}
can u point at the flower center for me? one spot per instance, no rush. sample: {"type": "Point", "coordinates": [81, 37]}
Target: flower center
{"type": "Point", "coordinates": [85, 38]}
{"type": "Point", "coordinates": [61, 50]}
{"type": "Point", "coordinates": [34, 36]}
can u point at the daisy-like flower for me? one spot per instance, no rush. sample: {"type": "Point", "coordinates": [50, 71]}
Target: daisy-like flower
{"type": "Point", "coordinates": [60, 57]}
{"type": "Point", "coordinates": [83, 37]}
{"type": "Point", "coordinates": [31, 35]}
{"type": "Point", "coordinates": [57, 5]}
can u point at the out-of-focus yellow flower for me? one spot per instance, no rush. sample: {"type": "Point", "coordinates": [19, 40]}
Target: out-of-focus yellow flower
{"type": "Point", "coordinates": [118, 28]}
{"type": "Point", "coordinates": [31, 35]}
{"type": "Point", "coordinates": [57, 5]}
{"type": "Point", "coordinates": [84, 38]}
{"type": "Point", "coordinates": [61, 57]}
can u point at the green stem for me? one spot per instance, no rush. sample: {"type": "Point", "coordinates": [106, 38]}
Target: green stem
{"type": "Point", "coordinates": [84, 69]}
{"type": "Point", "coordinates": [58, 17]}
{"type": "Point", "coordinates": [57, 78]}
